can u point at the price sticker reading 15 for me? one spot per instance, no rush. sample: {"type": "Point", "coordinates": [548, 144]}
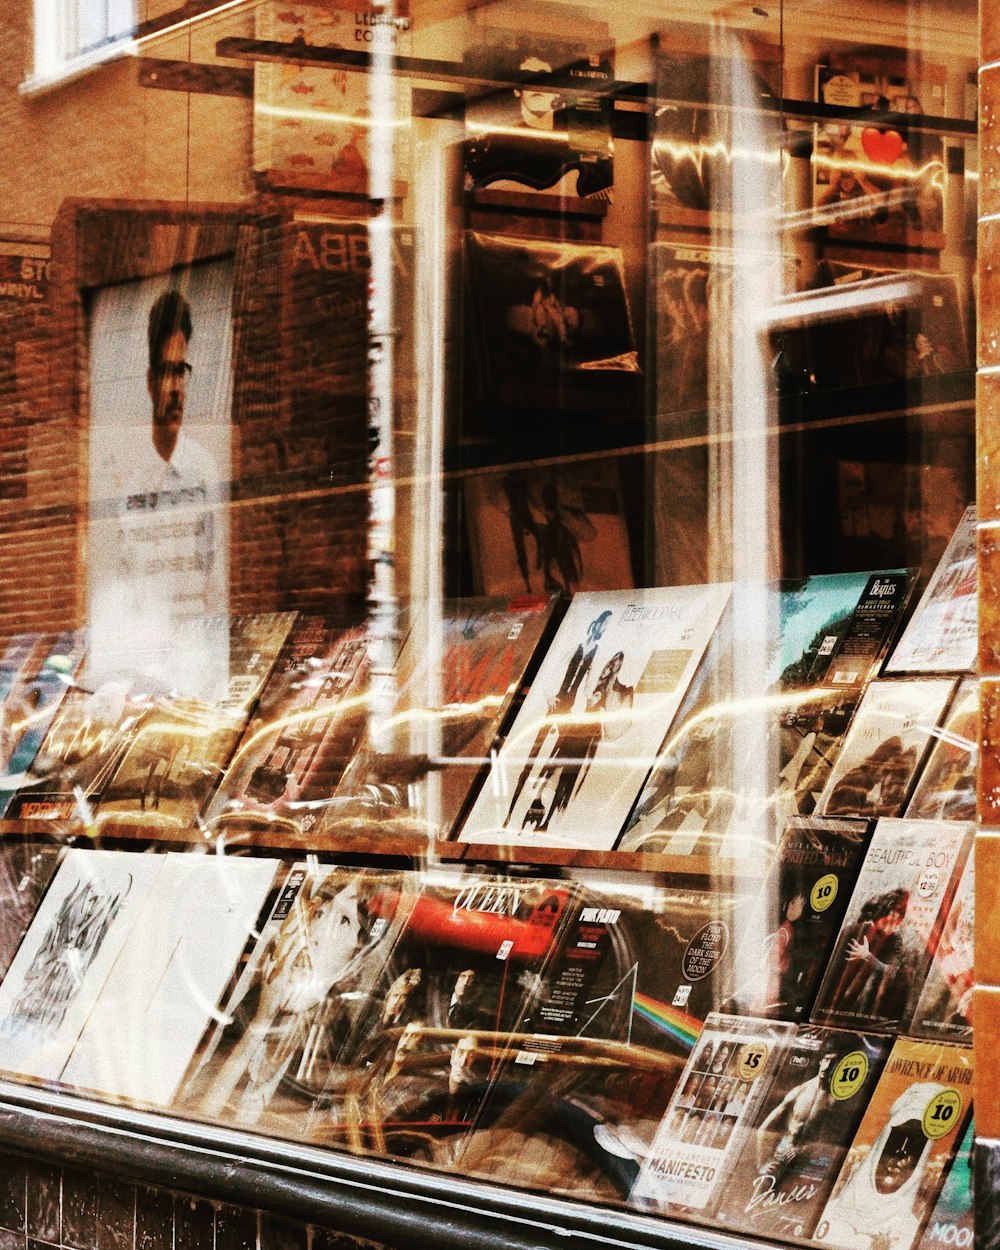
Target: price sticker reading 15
{"type": "Point", "coordinates": [751, 1061]}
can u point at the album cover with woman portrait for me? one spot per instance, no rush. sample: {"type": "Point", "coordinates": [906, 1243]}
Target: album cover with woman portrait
{"type": "Point", "coordinates": [944, 1010]}
{"type": "Point", "coordinates": [282, 1027]}
{"type": "Point", "coordinates": [466, 968]}
{"type": "Point", "coordinates": [891, 928]}
{"type": "Point", "coordinates": [553, 529]}
{"type": "Point", "coordinates": [595, 717]}
{"type": "Point", "coordinates": [889, 737]}
{"type": "Point", "coordinates": [551, 331]}
{"type": "Point", "coordinates": [896, 1163]}
{"type": "Point", "coordinates": [705, 1127]}
{"type": "Point", "coordinates": [946, 787]}
{"type": "Point", "coordinates": [800, 1133]}
{"type": "Point", "coordinates": [790, 931]}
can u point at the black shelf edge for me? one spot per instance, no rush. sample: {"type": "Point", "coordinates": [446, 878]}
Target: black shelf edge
{"type": "Point", "coordinates": [367, 1197]}
{"type": "Point", "coordinates": [633, 93]}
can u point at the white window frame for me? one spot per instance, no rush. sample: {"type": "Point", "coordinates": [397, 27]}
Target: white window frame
{"type": "Point", "coordinates": [57, 57]}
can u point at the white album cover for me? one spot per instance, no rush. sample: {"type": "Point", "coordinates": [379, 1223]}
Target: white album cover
{"type": "Point", "coordinates": [596, 715]}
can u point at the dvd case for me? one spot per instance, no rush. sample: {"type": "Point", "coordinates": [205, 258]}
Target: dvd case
{"type": "Point", "coordinates": [888, 739]}
{"type": "Point", "coordinates": [944, 1009]}
{"type": "Point", "coordinates": [946, 787]}
{"type": "Point", "coordinates": [891, 928]}
{"type": "Point", "coordinates": [800, 1133]}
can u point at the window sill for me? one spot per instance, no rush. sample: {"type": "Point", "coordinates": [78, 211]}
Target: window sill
{"type": "Point", "coordinates": [39, 83]}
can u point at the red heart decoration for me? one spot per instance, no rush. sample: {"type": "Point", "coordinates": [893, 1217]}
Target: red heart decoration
{"type": "Point", "coordinates": [884, 147]}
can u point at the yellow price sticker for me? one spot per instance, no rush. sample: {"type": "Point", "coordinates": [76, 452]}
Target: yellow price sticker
{"type": "Point", "coordinates": [942, 1114]}
{"type": "Point", "coordinates": [849, 1075]}
{"type": "Point", "coordinates": [751, 1061]}
{"type": "Point", "coordinates": [824, 892]}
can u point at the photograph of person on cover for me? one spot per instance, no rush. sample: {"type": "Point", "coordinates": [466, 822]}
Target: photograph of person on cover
{"type": "Point", "coordinates": [537, 137]}
{"type": "Point", "coordinates": [875, 980]}
{"type": "Point", "coordinates": [159, 551]}
{"type": "Point", "coordinates": [288, 1021]}
{"type": "Point", "coordinates": [551, 327]}
{"type": "Point", "coordinates": [791, 1125]}
{"type": "Point", "coordinates": [882, 1202]}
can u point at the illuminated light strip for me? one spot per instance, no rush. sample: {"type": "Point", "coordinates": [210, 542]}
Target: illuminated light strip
{"type": "Point", "coordinates": [185, 23]}
{"type": "Point", "coordinates": [516, 132]}
{"type": "Point", "coordinates": [870, 293]}
{"type": "Point", "coordinates": [866, 166]}
{"type": "Point", "coordinates": [678, 1024]}
{"type": "Point", "coordinates": [326, 115]}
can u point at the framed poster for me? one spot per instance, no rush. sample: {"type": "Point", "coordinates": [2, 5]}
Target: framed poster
{"type": "Point", "coordinates": [160, 352]}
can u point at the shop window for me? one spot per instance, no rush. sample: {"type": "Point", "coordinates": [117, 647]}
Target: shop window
{"type": "Point", "coordinates": [71, 35]}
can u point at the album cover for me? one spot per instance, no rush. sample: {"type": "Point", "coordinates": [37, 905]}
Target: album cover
{"type": "Point", "coordinates": [799, 1135]}
{"type": "Point", "coordinates": [891, 927]}
{"type": "Point", "coordinates": [877, 183]}
{"type": "Point", "coordinates": [888, 325]}
{"type": "Point", "coordinates": [279, 1037]}
{"type": "Point", "coordinates": [895, 1166]}
{"type": "Point", "coordinates": [595, 717]}
{"type": "Point", "coordinates": [63, 964]}
{"type": "Point", "coordinates": [548, 131]}
{"type": "Point", "coordinates": [944, 1009]}
{"type": "Point", "coordinates": [551, 328]}
{"type": "Point", "coordinates": [306, 727]}
{"type": "Point", "coordinates": [468, 967]}
{"type": "Point", "coordinates": [706, 1124]}
{"type": "Point", "coordinates": [179, 749]}
{"type": "Point", "coordinates": [951, 1223]}
{"type": "Point", "coordinates": [946, 787]}
{"type": "Point", "coordinates": [788, 935]}
{"type": "Point", "coordinates": [890, 735]}
{"type": "Point", "coordinates": [37, 679]}
{"type": "Point", "coordinates": [198, 914]}
{"type": "Point", "coordinates": [452, 694]}
{"type": "Point", "coordinates": [943, 633]}
{"type": "Point", "coordinates": [25, 871]}
{"type": "Point", "coordinates": [312, 122]}
{"type": "Point", "coordinates": [546, 530]}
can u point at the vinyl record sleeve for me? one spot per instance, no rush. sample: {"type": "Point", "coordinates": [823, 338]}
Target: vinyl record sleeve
{"type": "Point", "coordinates": [895, 1166]}
{"type": "Point", "coordinates": [946, 787]}
{"type": "Point", "coordinates": [890, 735]}
{"type": "Point", "coordinates": [791, 930]}
{"type": "Point", "coordinates": [26, 869]}
{"type": "Point", "coordinates": [559, 528]}
{"type": "Point", "coordinates": [468, 968]}
{"type": "Point", "coordinates": [800, 1133]}
{"type": "Point", "coordinates": [951, 1223]}
{"type": "Point", "coordinates": [283, 1024]}
{"type": "Point", "coordinates": [944, 1010]}
{"type": "Point", "coordinates": [891, 928]}
{"type": "Point", "coordinates": [180, 748]}
{"type": "Point", "coordinates": [179, 954]}
{"type": "Point", "coordinates": [705, 1126]}
{"type": "Point", "coordinates": [595, 717]}
{"type": "Point", "coordinates": [453, 690]}
{"type": "Point", "coordinates": [305, 729]}
{"type": "Point", "coordinates": [551, 328]}
{"type": "Point", "coordinates": [943, 634]}
{"type": "Point", "coordinates": [547, 134]}
{"type": "Point", "coordinates": [37, 687]}
{"type": "Point", "coordinates": [60, 970]}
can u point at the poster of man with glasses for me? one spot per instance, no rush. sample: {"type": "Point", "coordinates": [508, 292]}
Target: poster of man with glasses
{"type": "Point", "coordinates": [160, 396]}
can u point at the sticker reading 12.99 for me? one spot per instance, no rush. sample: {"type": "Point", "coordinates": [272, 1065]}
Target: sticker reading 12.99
{"type": "Point", "coordinates": [751, 1061]}
{"type": "Point", "coordinates": [849, 1075]}
{"type": "Point", "coordinates": [942, 1114]}
{"type": "Point", "coordinates": [824, 892]}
